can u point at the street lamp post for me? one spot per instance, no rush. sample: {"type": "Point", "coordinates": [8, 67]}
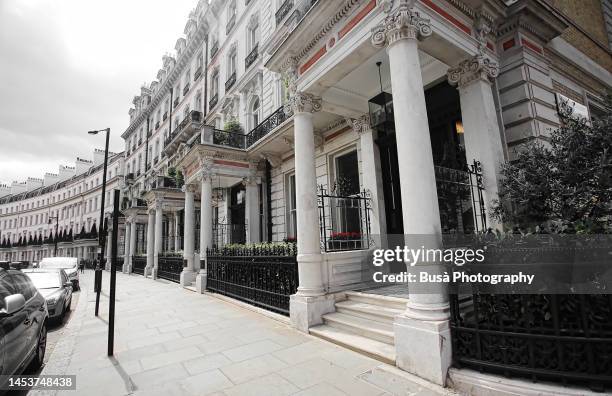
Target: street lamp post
{"type": "Point", "coordinates": [56, 218]}
{"type": "Point", "coordinates": [101, 233]}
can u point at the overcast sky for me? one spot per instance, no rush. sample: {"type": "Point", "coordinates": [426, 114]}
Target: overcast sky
{"type": "Point", "coordinates": [68, 66]}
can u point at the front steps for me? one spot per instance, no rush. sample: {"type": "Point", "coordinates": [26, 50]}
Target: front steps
{"type": "Point", "coordinates": [363, 323]}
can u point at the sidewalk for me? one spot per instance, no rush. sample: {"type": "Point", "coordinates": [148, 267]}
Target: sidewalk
{"type": "Point", "coordinates": [171, 341]}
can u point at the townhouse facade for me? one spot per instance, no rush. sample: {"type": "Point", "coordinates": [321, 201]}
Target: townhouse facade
{"type": "Point", "coordinates": [336, 125]}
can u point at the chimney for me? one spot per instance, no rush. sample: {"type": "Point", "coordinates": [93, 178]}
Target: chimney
{"type": "Point", "coordinates": [98, 157]}
{"type": "Point", "coordinates": [66, 172]}
{"type": "Point", "coordinates": [33, 183]}
{"type": "Point", "coordinates": [18, 188]}
{"type": "Point", "coordinates": [82, 165]}
{"type": "Point", "coordinates": [50, 178]}
{"type": "Point", "coordinates": [4, 190]}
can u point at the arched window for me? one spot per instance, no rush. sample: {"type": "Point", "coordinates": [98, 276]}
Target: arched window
{"type": "Point", "coordinates": [255, 112]}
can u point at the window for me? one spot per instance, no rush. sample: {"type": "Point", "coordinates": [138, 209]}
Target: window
{"type": "Point", "coordinates": [231, 64]}
{"type": "Point", "coordinates": [345, 217]}
{"type": "Point", "coordinates": [255, 113]}
{"type": "Point", "coordinates": [23, 285]}
{"type": "Point", "coordinates": [291, 210]}
{"type": "Point", "coordinates": [253, 35]}
{"type": "Point", "coordinates": [215, 83]}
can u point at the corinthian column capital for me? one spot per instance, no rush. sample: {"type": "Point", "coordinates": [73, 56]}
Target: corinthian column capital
{"type": "Point", "coordinates": [476, 68]}
{"type": "Point", "coordinates": [401, 23]}
{"type": "Point", "coordinates": [360, 124]}
{"type": "Point", "coordinates": [302, 102]}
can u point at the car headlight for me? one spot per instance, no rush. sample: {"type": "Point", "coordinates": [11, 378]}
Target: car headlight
{"type": "Point", "coordinates": [51, 301]}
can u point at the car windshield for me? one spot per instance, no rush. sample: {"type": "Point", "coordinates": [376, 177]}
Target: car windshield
{"type": "Point", "coordinates": [44, 280]}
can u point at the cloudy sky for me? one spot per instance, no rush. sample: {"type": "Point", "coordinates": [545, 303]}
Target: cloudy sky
{"type": "Point", "coordinates": [68, 66]}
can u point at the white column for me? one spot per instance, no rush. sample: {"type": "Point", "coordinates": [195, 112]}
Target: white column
{"type": "Point", "coordinates": [371, 175]}
{"type": "Point", "coordinates": [150, 243]}
{"type": "Point", "coordinates": [130, 261]}
{"type": "Point", "coordinates": [482, 134]}
{"type": "Point", "coordinates": [159, 216]}
{"type": "Point", "coordinates": [177, 236]}
{"type": "Point", "coordinates": [188, 274]}
{"type": "Point", "coordinates": [309, 303]}
{"type": "Point", "coordinates": [126, 245]}
{"type": "Point", "coordinates": [422, 333]}
{"type": "Point", "coordinates": [252, 207]}
{"type": "Point", "coordinates": [205, 226]}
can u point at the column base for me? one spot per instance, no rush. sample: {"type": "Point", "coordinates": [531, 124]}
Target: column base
{"type": "Point", "coordinates": [200, 282]}
{"type": "Point", "coordinates": [154, 274]}
{"type": "Point", "coordinates": [147, 271]}
{"type": "Point", "coordinates": [128, 269]}
{"type": "Point", "coordinates": [305, 311]}
{"type": "Point", "coordinates": [423, 347]}
{"type": "Point", "coordinates": [187, 278]}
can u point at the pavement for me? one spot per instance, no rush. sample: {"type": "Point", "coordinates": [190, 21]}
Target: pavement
{"type": "Point", "coordinates": [172, 341]}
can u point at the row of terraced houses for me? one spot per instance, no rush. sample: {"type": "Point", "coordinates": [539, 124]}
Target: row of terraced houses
{"type": "Point", "coordinates": [328, 125]}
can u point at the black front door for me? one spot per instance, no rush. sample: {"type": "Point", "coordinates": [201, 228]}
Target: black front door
{"type": "Point", "coordinates": [391, 184]}
{"type": "Point", "coordinates": [236, 224]}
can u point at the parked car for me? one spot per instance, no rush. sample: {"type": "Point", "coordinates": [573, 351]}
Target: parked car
{"type": "Point", "coordinates": [68, 264]}
{"type": "Point", "coordinates": [23, 319]}
{"type": "Point", "coordinates": [55, 287]}
{"type": "Point", "coordinates": [5, 265]}
{"type": "Point", "coordinates": [19, 265]}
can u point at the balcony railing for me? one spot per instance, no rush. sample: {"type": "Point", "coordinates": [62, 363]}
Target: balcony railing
{"type": "Point", "coordinates": [344, 220]}
{"type": "Point", "coordinates": [139, 141]}
{"type": "Point", "coordinates": [183, 132]}
{"type": "Point", "coordinates": [230, 82]}
{"type": "Point", "coordinates": [214, 49]}
{"type": "Point", "coordinates": [229, 139]}
{"type": "Point", "coordinates": [165, 116]}
{"type": "Point", "coordinates": [186, 89]}
{"type": "Point", "coordinates": [266, 126]}
{"type": "Point", "coordinates": [282, 12]}
{"type": "Point", "coordinates": [197, 73]}
{"type": "Point", "coordinates": [155, 160]}
{"type": "Point", "coordinates": [252, 57]}
{"type": "Point", "coordinates": [230, 24]}
{"type": "Point", "coordinates": [176, 101]}
{"type": "Point", "coordinates": [157, 125]}
{"type": "Point", "coordinates": [213, 101]}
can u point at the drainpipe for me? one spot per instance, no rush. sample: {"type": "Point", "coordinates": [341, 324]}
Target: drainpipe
{"type": "Point", "coordinates": [269, 199]}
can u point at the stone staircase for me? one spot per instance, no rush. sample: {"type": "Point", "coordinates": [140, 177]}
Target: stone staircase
{"type": "Point", "coordinates": [364, 323]}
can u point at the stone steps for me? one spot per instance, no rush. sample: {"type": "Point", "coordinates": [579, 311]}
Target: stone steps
{"type": "Point", "coordinates": [363, 322]}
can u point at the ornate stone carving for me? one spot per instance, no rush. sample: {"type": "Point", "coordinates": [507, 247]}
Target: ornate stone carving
{"type": "Point", "coordinates": [479, 67]}
{"type": "Point", "coordinates": [402, 23]}
{"type": "Point", "coordinates": [483, 25]}
{"type": "Point", "coordinates": [302, 102]}
{"type": "Point", "coordinates": [273, 159]}
{"type": "Point", "coordinates": [289, 73]}
{"type": "Point", "coordinates": [361, 124]}
{"type": "Point", "coordinates": [206, 168]}
{"type": "Point", "coordinates": [192, 188]}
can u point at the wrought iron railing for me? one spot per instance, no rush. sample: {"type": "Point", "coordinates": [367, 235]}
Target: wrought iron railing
{"type": "Point", "coordinates": [230, 82]}
{"type": "Point", "coordinates": [157, 125]}
{"type": "Point", "coordinates": [283, 10]}
{"type": "Point", "coordinates": [170, 267]}
{"type": "Point", "coordinates": [266, 126]}
{"type": "Point", "coordinates": [176, 101]}
{"type": "Point", "coordinates": [214, 49]}
{"type": "Point", "coordinates": [193, 116]}
{"type": "Point", "coordinates": [197, 73]}
{"type": "Point", "coordinates": [229, 139]}
{"type": "Point", "coordinates": [344, 220]}
{"type": "Point", "coordinates": [138, 264]}
{"type": "Point", "coordinates": [460, 199]}
{"type": "Point", "coordinates": [224, 234]}
{"type": "Point", "coordinates": [185, 89]}
{"type": "Point", "coordinates": [165, 116]}
{"type": "Point", "coordinates": [264, 277]}
{"type": "Point", "coordinates": [213, 101]}
{"type": "Point", "coordinates": [561, 338]}
{"type": "Point", "coordinates": [251, 57]}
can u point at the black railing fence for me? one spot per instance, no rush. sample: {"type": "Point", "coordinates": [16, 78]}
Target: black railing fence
{"type": "Point", "coordinates": [138, 264]}
{"type": "Point", "coordinates": [266, 126]}
{"type": "Point", "coordinates": [561, 338]}
{"type": "Point", "coordinates": [264, 277]}
{"type": "Point", "coordinates": [224, 234]}
{"type": "Point", "coordinates": [229, 139]}
{"type": "Point", "coordinates": [170, 267]}
{"type": "Point", "coordinates": [344, 220]}
{"type": "Point", "coordinates": [460, 199]}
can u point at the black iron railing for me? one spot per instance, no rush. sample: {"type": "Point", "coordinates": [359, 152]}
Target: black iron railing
{"type": "Point", "coordinates": [264, 277]}
{"type": "Point", "coordinates": [197, 73]}
{"type": "Point", "coordinates": [170, 267]}
{"type": "Point", "coordinates": [185, 89]}
{"type": "Point", "coordinates": [213, 101]}
{"type": "Point", "coordinates": [138, 264]}
{"type": "Point", "coordinates": [460, 199]}
{"type": "Point", "coordinates": [229, 139]}
{"type": "Point", "coordinates": [266, 126]}
{"type": "Point", "coordinates": [214, 48]}
{"type": "Point", "coordinates": [561, 338]}
{"type": "Point", "coordinates": [224, 234]}
{"type": "Point", "coordinates": [157, 125]}
{"type": "Point", "coordinates": [193, 116]}
{"type": "Point", "coordinates": [251, 57]}
{"type": "Point", "coordinates": [176, 101]}
{"type": "Point", "coordinates": [344, 220]}
{"type": "Point", "coordinates": [165, 116]}
{"type": "Point", "coordinates": [230, 82]}
{"type": "Point", "coordinates": [283, 10]}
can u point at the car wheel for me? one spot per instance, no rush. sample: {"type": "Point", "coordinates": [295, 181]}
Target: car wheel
{"type": "Point", "coordinates": [69, 306]}
{"type": "Point", "coordinates": [41, 347]}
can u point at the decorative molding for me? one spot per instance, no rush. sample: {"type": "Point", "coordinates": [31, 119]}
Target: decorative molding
{"type": "Point", "coordinates": [302, 102]}
{"type": "Point", "coordinates": [477, 68]}
{"type": "Point", "coordinates": [289, 73]}
{"type": "Point", "coordinates": [403, 23]}
{"type": "Point", "coordinates": [361, 124]}
{"type": "Point", "coordinates": [273, 159]}
{"type": "Point", "coordinates": [192, 188]}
